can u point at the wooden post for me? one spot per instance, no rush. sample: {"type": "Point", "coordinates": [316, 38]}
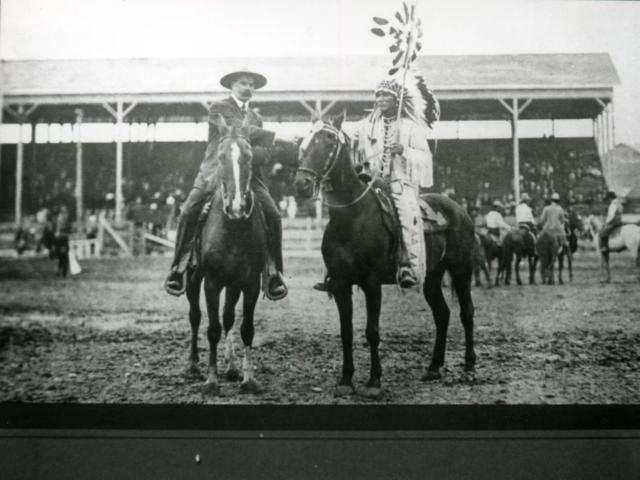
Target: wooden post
{"type": "Point", "coordinates": [19, 168]}
{"type": "Point", "coordinates": [79, 177]}
{"type": "Point", "coordinates": [118, 193]}
{"type": "Point", "coordinates": [516, 150]}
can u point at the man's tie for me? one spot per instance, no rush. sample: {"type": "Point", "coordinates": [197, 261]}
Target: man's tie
{"type": "Point", "coordinates": [244, 108]}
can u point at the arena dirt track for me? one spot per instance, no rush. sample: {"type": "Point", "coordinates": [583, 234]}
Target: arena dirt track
{"type": "Point", "coordinates": [112, 335]}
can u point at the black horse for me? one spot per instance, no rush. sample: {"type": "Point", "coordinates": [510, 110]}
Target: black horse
{"type": "Point", "coordinates": [549, 249]}
{"type": "Point", "coordinates": [231, 255]}
{"type": "Point", "coordinates": [519, 243]}
{"type": "Point", "coordinates": [487, 251]}
{"type": "Point", "coordinates": [359, 250]}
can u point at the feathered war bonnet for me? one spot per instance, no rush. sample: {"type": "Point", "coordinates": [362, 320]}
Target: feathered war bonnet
{"type": "Point", "coordinates": [418, 102]}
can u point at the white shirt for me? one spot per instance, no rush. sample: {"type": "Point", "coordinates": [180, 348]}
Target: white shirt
{"type": "Point", "coordinates": [615, 209]}
{"type": "Point", "coordinates": [240, 103]}
{"type": "Point", "coordinates": [494, 220]}
{"type": "Point", "coordinates": [524, 213]}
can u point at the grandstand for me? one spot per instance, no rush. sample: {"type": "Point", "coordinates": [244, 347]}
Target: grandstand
{"type": "Point", "coordinates": [130, 163]}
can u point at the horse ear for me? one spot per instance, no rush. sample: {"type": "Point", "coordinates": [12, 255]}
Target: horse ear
{"type": "Point", "coordinates": [316, 116]}
{"type": "Point", "coordinates": [337, 121]}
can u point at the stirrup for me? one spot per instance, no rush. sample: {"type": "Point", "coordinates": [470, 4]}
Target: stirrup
{"type": "Point", "coordinates": [321, 287]}
{"type": "Point", "coordinates": [284, 286]}
{"type": "Point", "coordinates": [176, 291]}
{"type": "Point", "coordinates": [406, 279]}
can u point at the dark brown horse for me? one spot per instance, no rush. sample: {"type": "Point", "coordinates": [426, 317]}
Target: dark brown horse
{"type": "Point", "coordinates": [231, 255]}
{"type": "Point", "coordinates": [487, 251]}
{"type": "Point", "coordinates": [549, 249]}
{"type": "Point", "coordinates": [359, 250]}
{"type": "Point", "coordinates": [518, 243]}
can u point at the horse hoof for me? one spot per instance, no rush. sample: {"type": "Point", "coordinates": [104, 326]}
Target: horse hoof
{"type": "Point", "coordinates": [211, 389]}
{"type": "Point", "coordinates": [375, 393]}
{"type": "Point", "coordinates": [470, 374]}
{"type": "Point", "coordinates": [250, 386]}
{"type": "Point", "coordinates": [343, 390]}
{"type": "Point", "coordinates": [192, 372]}
{"type": "Point", "coordinates": [431, 375]}
{"type": "Point", "coordinates": [233, 374]}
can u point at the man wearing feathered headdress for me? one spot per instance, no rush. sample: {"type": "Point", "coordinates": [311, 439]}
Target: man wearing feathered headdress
{"type": "Point", "coordinates": [396, 150]}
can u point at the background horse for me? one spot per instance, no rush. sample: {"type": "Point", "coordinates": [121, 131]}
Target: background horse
{"type": "Point", "coordinates": [487, 251]}
{"type": "Point", "coordinates": [626, 237]}
{"type": "Point", "coordinates": [549, 249]}
{"type": "Point", "coordinates": [231, 254]}
{"type": "Point", "coordinates": [520, 243]}
{"type": "Point", "coordinates": [358, 249]}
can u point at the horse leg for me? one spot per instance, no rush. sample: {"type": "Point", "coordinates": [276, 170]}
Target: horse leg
{"type": "Point", "coordinates": [517, 267]}
{"type": "Point", "coordinates": [607, 267]}
{"type": "Point", "coordinates": [533, 263]}
{"type": "Point", "coordinates": [462, 286]}
{"type": "Point", "coordinates": [487, 272]}
{"type": "Point", "coordinates": [249, 300]}
{"type": "Point", "coordinates": [433, 294]}
{"type": "Point", "coordinates": [342, 296]}
{"type": "Point", "coordinates": [550, 269]}
{"type": "Point", "coordinates": [232, 294]}
{"type": "Point", "coordinates": [195, 315]}
{"type": "Point", "coordinates": [373, 296]}
{"type": "Point", "coordinates": [560, 267]}
{"type": "Point", "coordinates": [569, 264]}
{"type": "Point", "coordinates": [214, 331]}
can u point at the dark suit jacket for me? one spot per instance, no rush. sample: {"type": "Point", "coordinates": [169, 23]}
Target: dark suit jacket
{"type": "Point", "coordinates": [260, 138]}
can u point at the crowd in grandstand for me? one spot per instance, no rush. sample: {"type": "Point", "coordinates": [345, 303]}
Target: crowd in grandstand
{"type": "Point", "coordinates": [474, 177]}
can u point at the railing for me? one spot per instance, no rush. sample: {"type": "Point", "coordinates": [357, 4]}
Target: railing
{"type": "Point", "coordinates": [85, 248]}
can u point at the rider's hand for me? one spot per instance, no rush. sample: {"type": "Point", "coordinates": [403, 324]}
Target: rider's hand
{"type": "Point", "coordinates": [396, 149]}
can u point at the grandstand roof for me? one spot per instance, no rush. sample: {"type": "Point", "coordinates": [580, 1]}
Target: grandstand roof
{"type": "Point", "coordinates": [561, 81]}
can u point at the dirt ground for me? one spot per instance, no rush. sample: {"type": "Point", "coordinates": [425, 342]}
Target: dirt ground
{"type": "Point", "coordinates": [111, 335]}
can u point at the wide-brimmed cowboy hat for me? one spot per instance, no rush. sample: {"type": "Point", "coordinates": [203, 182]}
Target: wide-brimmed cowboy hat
{"type": "Point", "coordinates": [259, 80]}
{"type": "Point", "coordinates": [611, 195]}
{"type": "Point", "coordinates": [525, 197]}
{"type": "Point", "coordinates": [555, 197]}
{"type": "Point", "coordinates": [497, 203]}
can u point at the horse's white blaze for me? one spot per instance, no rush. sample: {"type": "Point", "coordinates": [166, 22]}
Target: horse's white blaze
{"type": "Point", "coordinates": [247, 365]}
{"type": "Point", "coordinates": [235, 159]}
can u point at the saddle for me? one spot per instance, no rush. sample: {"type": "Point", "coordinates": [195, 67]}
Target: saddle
{"type": "Point", "coordinates": [434, 220]}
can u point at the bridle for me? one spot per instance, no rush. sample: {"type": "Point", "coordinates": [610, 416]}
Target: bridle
{"type": "Point", "coordinates": [247, 190]}
{"type": "Point", "coordinates": [322, 178]}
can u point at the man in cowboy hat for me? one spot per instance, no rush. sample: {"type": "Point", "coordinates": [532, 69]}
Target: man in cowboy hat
{"type": "Point", "coordinates": [613, 220]}
{"type": "Point", "coordinates": [524, 214]}
{"type": "Point", "coordinates": [553, 219]}
{"type": "Point", "coordinates": [236, 111]}
{"type": "Point", "coordinates": [496, 226]}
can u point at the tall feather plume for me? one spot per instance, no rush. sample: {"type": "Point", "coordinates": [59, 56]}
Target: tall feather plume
{"type": "Point", "coordinates": [419, 103]}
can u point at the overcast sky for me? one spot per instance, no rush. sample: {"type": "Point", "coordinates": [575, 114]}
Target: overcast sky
{"type": "Point", "coordinates": [211, 28]}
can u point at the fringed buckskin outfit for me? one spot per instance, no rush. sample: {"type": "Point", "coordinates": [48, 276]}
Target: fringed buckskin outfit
{"type": "Point", "coordinates": [405, 173]}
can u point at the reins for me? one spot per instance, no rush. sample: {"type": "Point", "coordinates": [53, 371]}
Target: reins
{"type": "Point", "coordinates": [332, 161]}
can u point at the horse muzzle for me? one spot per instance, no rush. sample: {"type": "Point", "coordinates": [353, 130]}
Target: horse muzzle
{"type": "Point", "coordinates": [238, 209]}
{"type": "Point", "coordinates": [305, 185]}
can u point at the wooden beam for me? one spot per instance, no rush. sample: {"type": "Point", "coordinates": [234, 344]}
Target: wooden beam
{"type": "Point", "coordinates": [110, 109]}
{"type": "Point", "coordinates": [516, 150]}
{"type": "Point", "coordinates": [118, 193]}
{"type": "Point", "coordinates": [127, 110]}
{"type": "Point", "coordinates": [19, 169]}
{"type": "Point", "coordinates": [309, 108]}
{"type": "Point", "coordinates": [79, 170]}
{"type": "Point", "coordinates": [524, 105]}
{"type": "Point", "coordinates": [326, 109]}
{"type": "Point", "coordinates": [506, 105]}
